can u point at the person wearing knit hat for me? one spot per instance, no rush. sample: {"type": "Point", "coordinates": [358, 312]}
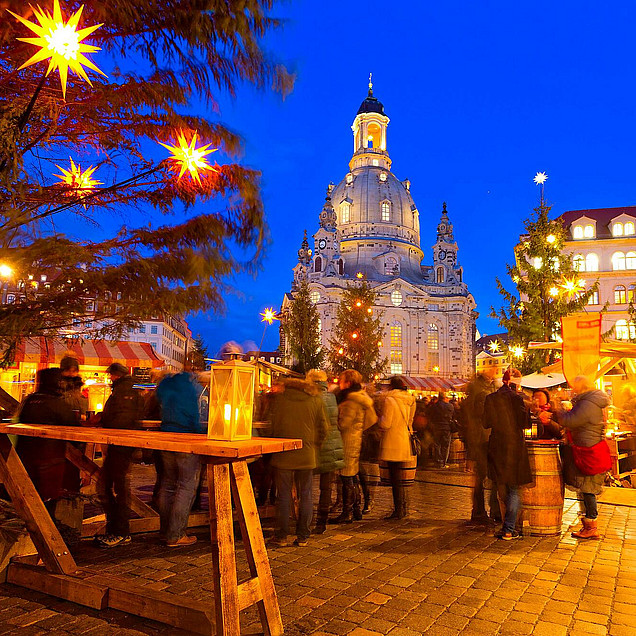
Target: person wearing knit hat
{"type": "Point", "coordinates": [505, 413]}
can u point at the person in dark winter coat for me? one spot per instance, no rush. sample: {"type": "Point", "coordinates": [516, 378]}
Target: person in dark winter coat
{"type": "Point", "coordinates": [331, 455]}
{"type": "Point", "coordinates": [505, 413]}
{"type": "Point", "coordinates": [44, 459]}
{"type": "Point", "coordinates": [178, 396]}
{"type": "Point", "coordinates": [72, 385]}
{"type": "Point", "coordinates": [123, 409]}
{"type": "Point", "coordinates": [442, 414]}
{"type": "Point", "coordinates": [586, 425]}
{"type": "Point", "coordinates": [297, 412]}
{"type": "Point", "coordinates": [476, 438]}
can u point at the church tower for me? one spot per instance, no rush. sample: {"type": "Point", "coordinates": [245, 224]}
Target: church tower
{"type": "Point", "coordinates": [369, 227]}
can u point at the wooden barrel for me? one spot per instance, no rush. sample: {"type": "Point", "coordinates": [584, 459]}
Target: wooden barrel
{"type": "Point", "coordinates": [542, 502]}
{"type": "Point", "coordinates": [407, 473]}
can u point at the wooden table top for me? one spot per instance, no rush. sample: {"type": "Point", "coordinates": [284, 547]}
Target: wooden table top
{"type": "Point", "coordinates": [157, 440]}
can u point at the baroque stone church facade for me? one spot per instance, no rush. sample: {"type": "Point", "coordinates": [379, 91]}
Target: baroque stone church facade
{"type": "Point", "coordinates": [369, 228]}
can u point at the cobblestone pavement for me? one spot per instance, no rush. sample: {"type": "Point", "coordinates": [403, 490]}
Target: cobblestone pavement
{"type": "Point", "coordinates": [430, 574]}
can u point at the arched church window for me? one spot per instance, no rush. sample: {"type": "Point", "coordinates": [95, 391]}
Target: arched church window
{"type": "Point", "coordinates": [340, 267]}
{"type": "Point", "coordinates": [620, 294]}
{"type": "Point", "coordinates": [591, 262]}
{"type": "Point", "coordinates": [349, 179]}
{"type": "Point", "coordinates": [440, 275]}
{"type": "Point", "coordinates": [314, 296]}
{"type": "Point", "coordinates": [370, 141]}
{"type": "Point", "coordinates": [318, 264]}
{"type": "Point", "coordinates": [391, 266]}
{"type": "Point", "coordinates": [385, 209]}
{"type": "Point", "coordinates": [433, 347]}
{"type": "Point", "coordinates": [345, 212]}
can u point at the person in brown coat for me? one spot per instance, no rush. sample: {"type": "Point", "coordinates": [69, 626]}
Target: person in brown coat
{"type": "Point", "coordinates": [355, 415]}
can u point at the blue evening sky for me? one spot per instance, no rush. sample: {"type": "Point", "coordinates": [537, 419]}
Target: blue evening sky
{"type": "Point", "coordinates": [481, 95]}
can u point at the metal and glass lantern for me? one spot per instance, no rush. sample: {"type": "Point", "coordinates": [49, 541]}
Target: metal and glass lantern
{"type": "Point", "coordinates": [231, 400]}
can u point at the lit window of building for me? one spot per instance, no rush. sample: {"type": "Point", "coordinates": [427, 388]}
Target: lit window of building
{"type": "Point", "coordinates": [314, 296]}
{"type": "Point", "coordinates": [396, 362]}
{"type": "Point", "coordinates": [630, 260]}
{"type": "Point", "coordinates": [396, 297]}
{"type": "Point", "coordinates": [617, 229]}
{"type": "Point", "coordinates": [440, 275]}
{"type": "Point", "coordinates": [630, 293]}
{"type": "Point", "coordinates": [579, 263]}
{"type": "Point", "coordinates": [588, 231]}
{"type": "Point", "coordinates": [593, 299]}
{"type": "Point", "coordinates": [618, 260]}
{"type": "Point", "coordinates": [396, 336]}
{"type": "Point", "coordinates": [629, 228]}
{"type": "Point", "coordinates": [345, 212]}
{"type": "Point", "coordinates": [577, 233]}
{"type": "Point", "coordinates": [153, 329]}
{"type": "Point", "coordinates": [591, 263]}
{"type": "Point", "coordinates": [625, 331]}
{"type": "Point", "coordinates": [386, 210]}
{"type": "Point", "coordinates": [620, 295]}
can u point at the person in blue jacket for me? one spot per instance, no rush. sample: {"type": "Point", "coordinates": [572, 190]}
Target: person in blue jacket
{"type": "Point", "coordinates": [178, 396]}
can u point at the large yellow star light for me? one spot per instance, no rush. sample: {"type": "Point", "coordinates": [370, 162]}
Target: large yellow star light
{"type": "Point", "coordinates": [268, 316]}
{"type": "Point", "coordinates": [60, 42]}
{"type": "Point", "coordinates": [189, 157]}
{"type": "Point", "coordinates": [493, 345]}
{"type": "Point", "coordinates": [77, 179]}
{"type": "Point", "coordinates": [540, 178]}
{"type": "Point", "coordinates": [572, 287]}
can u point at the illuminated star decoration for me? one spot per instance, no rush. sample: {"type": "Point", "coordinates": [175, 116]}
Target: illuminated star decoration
{"type": "Point", "coordinates": [189, 157]}
{"type": "Point", "coordinates": [493, 345]}
{"type": "Point", "coordinates": [77, 179]}
{"type": "Point", "coordinates": [517, 351]}
{"type": "Point", "coordinates": [572, 287]}
{"type": "Point", "coordinates": [60, 43]}
{"type": "Point", "coordinates": [268, 316]}
{"type": "Point", "coordinates": [540, 178]}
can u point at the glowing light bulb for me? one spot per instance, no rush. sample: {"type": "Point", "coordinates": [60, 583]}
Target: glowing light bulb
{"type": "Point", "coordinates": [551, 238]}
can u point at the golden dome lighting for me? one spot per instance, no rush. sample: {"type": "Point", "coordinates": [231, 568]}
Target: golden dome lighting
{"type": "Point", "coordinates": [189, 157]}
{"type": "Point", "coordinates": [60, 43]}
{"type": "Point", "coordinates": [268, 315]}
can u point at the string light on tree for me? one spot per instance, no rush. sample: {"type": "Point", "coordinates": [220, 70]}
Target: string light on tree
{"type": "Point", "coordinates": [60, 42]}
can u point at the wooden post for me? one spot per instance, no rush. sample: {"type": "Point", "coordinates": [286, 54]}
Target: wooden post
{"type": "Point", "coordinates": [29, 506]}
{"type": "Point", "coordinates": [223, 558]}
{"type": "Point", "coordinates": [254, 543]}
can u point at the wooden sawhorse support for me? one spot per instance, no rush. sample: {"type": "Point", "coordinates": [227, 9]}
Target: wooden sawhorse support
{"type": "Point", "coordinates": [228, 481]}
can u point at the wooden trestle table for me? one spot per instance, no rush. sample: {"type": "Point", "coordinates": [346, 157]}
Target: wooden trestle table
{"type": "Point", "coordinates": [228, 481]}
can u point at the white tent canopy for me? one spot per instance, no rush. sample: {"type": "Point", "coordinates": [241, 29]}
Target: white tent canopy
{"type": "Point", "coordinates": [542, 380]}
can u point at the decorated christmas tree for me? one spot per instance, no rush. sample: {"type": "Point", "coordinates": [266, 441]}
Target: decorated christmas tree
{"type": "Point", "coordinates": [100, 175]}
{"type": "Point", "coordinates": [301, 325]}
{"type": "Point", "coordinates": [358, 333]}
{"type": "Point", "coordinates": [548, 286]}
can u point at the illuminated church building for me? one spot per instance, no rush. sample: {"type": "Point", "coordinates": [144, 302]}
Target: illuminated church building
{"type": "Point", "coordinates": [370, 224]}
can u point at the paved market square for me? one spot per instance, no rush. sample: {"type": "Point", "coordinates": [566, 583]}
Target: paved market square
{"type": "Point", "coordinates": [432, 573]}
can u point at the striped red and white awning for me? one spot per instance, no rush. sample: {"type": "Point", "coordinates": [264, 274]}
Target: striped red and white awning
{"type": "Point", "coordinates": [433, 383]}
{"type": "Point", "coordinates": [99, 353]}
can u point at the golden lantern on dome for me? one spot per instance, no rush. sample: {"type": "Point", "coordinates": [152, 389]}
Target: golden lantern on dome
{"type": "Point", "coordinates": [60, 42]}
{"type": "Point", "coordinates": [231, 400]}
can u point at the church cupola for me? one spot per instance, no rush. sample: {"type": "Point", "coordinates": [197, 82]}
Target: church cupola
{"type": "Point", "coordinates": [445, 266]}
{"type": "Point", "coordinates": [369, 134]}
{"type": "Point", "coordinates": [304, 253]}
{"type": "Point", "coordinates": [444, 228]}
{"type": "Point", "coordinates": [328, 217]}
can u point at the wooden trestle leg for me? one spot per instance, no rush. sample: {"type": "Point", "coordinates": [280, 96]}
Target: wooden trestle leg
{"type": "Point", "coordinates": [225, 479]}
{"type": "Point", "coordinates": [28, 504]}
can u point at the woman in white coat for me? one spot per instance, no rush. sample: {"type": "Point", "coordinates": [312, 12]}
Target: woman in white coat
{"type": "Point", "coordinates": [395, 448]}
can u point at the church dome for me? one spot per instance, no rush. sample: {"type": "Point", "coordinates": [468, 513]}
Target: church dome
{"type": "Point", "coordinates": [371, 105]}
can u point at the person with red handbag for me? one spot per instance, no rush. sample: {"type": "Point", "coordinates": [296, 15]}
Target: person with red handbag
{"type": "Point", "coordinates": [585, 466]}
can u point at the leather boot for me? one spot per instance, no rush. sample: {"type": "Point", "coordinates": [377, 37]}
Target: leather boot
{"type": "Point", "coordinates": [321, 523]}
{"type": "Point", "coordinates": [397, 506]}
{"type": "Point", "coordinates": [337, 504]}
{"type": "Point", "coordinates": [357, 500]}
{"type": "Point", "coordinates": [588, 531]}
{"type": "Point", "coordinates": [347, 505]}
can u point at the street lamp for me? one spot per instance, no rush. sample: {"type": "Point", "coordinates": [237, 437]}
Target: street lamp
{"type": "Point", "coordinates": [6, 273]}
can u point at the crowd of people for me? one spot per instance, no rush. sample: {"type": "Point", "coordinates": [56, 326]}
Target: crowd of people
{"type": "Point", "coordinates": [355, 437]}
